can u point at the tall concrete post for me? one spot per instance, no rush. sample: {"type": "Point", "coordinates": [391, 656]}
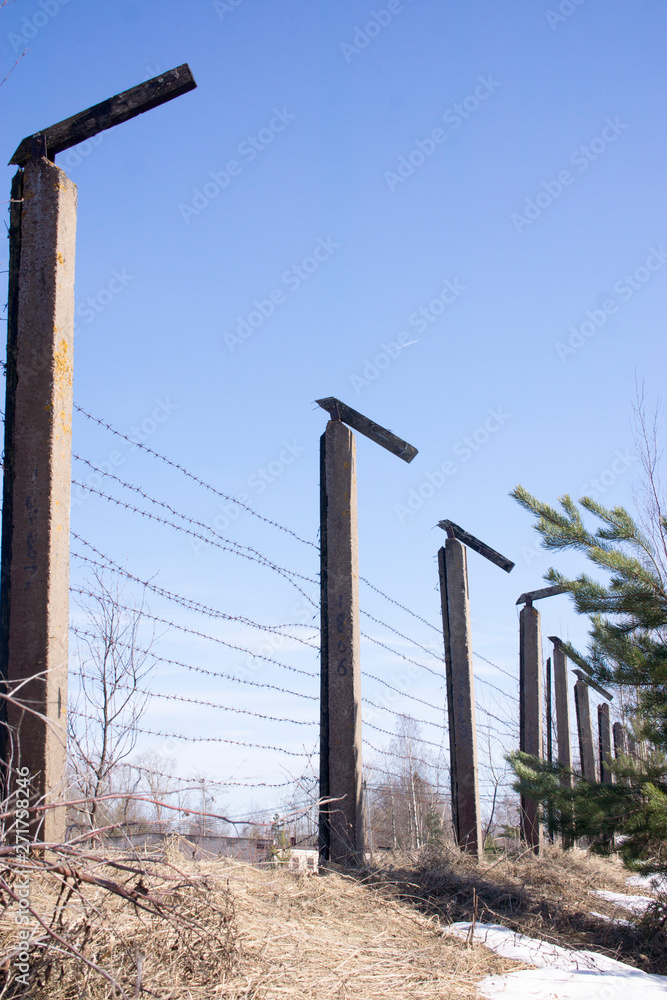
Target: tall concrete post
{"type": "Point", "coordinates": [562, 705]}
{"type": "Point", "coordinates": [585, 731]}
{"type": "Point", "coordinates": [341, 822]}
{"type": "Point", "coordinates": [530, 714]}
{"type": "Point", "coordinates": [453, 568]}
{"type": "Point", "coordinates": [620, 740]}
{"type": "Point", "coordinates": [34, 592]}
{"type": "Point", "coordinates": [562, 718]}
{"type": "Point", "coordinates": [604, 743]}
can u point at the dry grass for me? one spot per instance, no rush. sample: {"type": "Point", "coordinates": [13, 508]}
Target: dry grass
{"type": "Point", "coordinates": [222, 929]}
{"type": "Point", "coordinates": [548, 897]}
{"type": "Point", "coordinates": [310, 938]}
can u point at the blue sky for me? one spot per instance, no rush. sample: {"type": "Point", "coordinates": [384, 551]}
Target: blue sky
{"type": "Point", "coordinates": [451, 218]}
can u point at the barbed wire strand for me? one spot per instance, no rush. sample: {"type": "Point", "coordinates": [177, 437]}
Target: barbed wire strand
{"type": "Point", "coordinates": [200, 482]}
{"type": "Point", "coordinates": [262, 561]}
{"type": "Point", "coordinates": [200, 739]}
{"type": "Point", "coordinates": [202, 635]}
{"type": "Point", "coordinates": [201, 701]}
{"type": "Point", "coordinates": [200, 670]}
{"type": "Point", "coordinates": [186, 602]}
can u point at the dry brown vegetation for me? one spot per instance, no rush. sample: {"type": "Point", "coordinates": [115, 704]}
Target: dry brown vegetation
{"type": "Point", "coordinates": [548, 897]}
{"type": "Point", "coordinates": [174, 928]}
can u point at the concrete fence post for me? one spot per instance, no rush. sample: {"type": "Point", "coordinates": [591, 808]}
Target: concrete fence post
{"type": "Point", "coordinates": [585, 731]}
{"type": "Point", "coordinates": [453, 569]}
{"type": "Point", "coordinates": [530, 714]}
{"type": "Point", "coordinates": [604, 743]}
{"type": "Point", "coordinates": [341, 822]}
{"type": "Point", "coordinates": [34, 598]}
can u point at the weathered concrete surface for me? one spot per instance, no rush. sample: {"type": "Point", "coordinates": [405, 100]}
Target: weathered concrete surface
{"type": "Point", "coordinates": [530, 714]}
{"type": "Point", "coordinates": [585, 730]}
{"type": "Point", "coordinates": [562, 706]}
{"type": "Point", "coordinates": [455, 601]}
{"type": "Point", "coordinates": [620, 740]}
{"type": "Point", "coordinates": [35, 557]}
{"type": "Point", "coordinates": [604, 743]}
{"type": "Point", "coordinates": [341, 677]}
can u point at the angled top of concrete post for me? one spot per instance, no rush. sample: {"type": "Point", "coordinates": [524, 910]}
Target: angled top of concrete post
{"type": "Point", "coordinates": [589, 682]}
{"type": "Point", "coordinates": [358, 422]}
{"type": "Point", "coordinates": [113, 111]}
{"type": "Point", "coordinates": [537, 595]}
{"type": "Point", "coordinates": [455, 531]}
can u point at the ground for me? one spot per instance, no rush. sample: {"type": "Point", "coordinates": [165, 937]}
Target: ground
{"type": "Point", "coordinates": [221, 928]}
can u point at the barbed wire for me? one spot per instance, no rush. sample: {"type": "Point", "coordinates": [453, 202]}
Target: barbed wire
{"type": "Point", "coordinates": [482, 680]}
{"type": "Point", "coordinates": [200, 670]}
{"type": "Point", "coordinates": [413, 642]}
{"type": "Point", "coordinates": [186, 602]}
{"type": "Point", "coordinates": [210, 782]}
{"type": "Point", "coordinates": [492, 664]}
{"type": "Point", "coordinates": [402, 756]}
{"type": "Point", "coordinates": [261, 560]}
{"type": "Point", "coordinates": [401, 736]}
{"type": "Point", "coordinates": [199, 739]}
{"type": "Point", "coordinates": [201, 635]}
{"type": "Point", "coordinates": [408, 659]}
{"type": "Point", "coordinates": [383, 708]}
{"type": "Point", "coordinates": [200, 482]}
{"type": "Point", "coordinates": [398, 605]}
{"type": "Point", "coordinates": [236, 549]}
{"type": "Point", "coordinates": [201, 701]}
{"type": "Point", "coordinates": [403, 694]}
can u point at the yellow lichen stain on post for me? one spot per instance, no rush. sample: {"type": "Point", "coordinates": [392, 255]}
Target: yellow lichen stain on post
{"type": "Point", "coordinates": [61, 259]}
{"type": "Point", "coordinates": [63, 367]}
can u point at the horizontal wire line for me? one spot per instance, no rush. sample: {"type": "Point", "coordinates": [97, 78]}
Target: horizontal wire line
{"type": "Point", "coordinates": [200, 739]}
{"type": "Point", "coordinates": [408, 659]}
{"type": "Point", "coordinates": [237, 549]}
{"type": "Point", "coordinates": [399, 736]}
{"type": "Point", "coordinates": [185, 602]}
{"type": "Point", "coordinates": [201, 701]}
{"type": "Point", "coordinates": [414, 642]}
{"type": "Point", "coordinates": [492, 664]}
{"type": "Point", "coordinates": [261, 560]}
{"type": "Point", "coordinates": [190, 475]}
{"type": "Point", "coordinates": [210, 782]}
{"type": "Point", "coordinates": [201, 670]}
{"type": "Point", "coordinates": [203, 635]}
{"type": "Point", "coordinates": [401, 606]}
{"type": "Point", "coordinates": [172, 510]}
{"type": "Point", "coordinates": [403, 694]}
{"type": "Point", "coordinates": [383, 708]}
{"type": "Point", "coordinates": [482, 680]}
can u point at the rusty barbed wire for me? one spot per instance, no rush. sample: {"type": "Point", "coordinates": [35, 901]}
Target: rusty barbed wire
{"type": "Point", "coordinates": [261, 560]}
{"type": "Point", "coordinates": [201, 701]}
{"type": "Point", "coordinates": [186, 602]}
{"type": "Point", "coordinates": [211, 782]}
{"type": "Point", "coordinates": [383, 708]}
{"type": "Point", "coordinates": [403, 694]}
{"type": "Point", "coordinates": [202, 635]}
{"type": "Point", "coordinates": [200, 670]}
{"type": "Point", "coordinates": [401, 736]}
{"type": "Point", "coordinates": [199, 739]}
{"type": "Point", "coordinates": [408, 659]}
{"type": "Point", "coordinates": [413, 642]}
{"type": "Point", "coordinates": [200, 482]}
{"type": "Point", "coordinates": [506, 694]}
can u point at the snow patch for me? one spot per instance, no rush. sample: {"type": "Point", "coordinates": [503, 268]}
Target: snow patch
{"type": "Point", "coordinates": [561, 973]}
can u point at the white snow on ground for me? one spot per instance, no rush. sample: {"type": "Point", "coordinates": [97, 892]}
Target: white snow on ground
{"type": "Point", "coordinates": [636, 904]}
{"type": "Point", "coordinates": [610, 920]}
{"type": "Point", "coordinates": [561, 973]}
{"type": "Point", "coordinates": [657, 883]}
